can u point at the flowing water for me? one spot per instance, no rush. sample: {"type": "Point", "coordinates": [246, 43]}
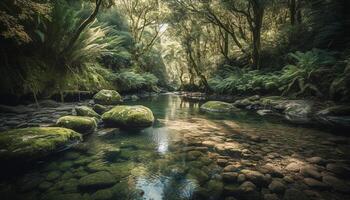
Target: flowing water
{"type": "Point", "coordinates": [182, 157]}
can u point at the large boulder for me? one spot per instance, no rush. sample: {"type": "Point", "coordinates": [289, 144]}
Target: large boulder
{"type": "Point", "coordinates": [336, 116]}
{"type": "Point", "coordinates": [86, 111]}
{"type": "Point", "coordinates": [107, 97]}
{"type": "Point", "coordinates": [129, 117]}
{"type": "Point", "coordinates": [32, 143]}
{"type": "Point", "coordinates": [298, 111]}
{"type": "Point", "coordinates": [218, 106]}
{"type": "Point", "coordinates": [83, 125]}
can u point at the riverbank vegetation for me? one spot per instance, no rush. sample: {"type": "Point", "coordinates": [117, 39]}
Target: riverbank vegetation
{"type": "Point", "coordinates": [292, 48]}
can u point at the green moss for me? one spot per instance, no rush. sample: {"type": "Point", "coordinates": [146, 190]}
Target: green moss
{"type": "Point", "coordinates": [217, 106]}
{"type": "Point", "coordinates": [86, 111]}
{"type": "Point", "coordinates": [107, 97]}
{"type": "Point", "coordinates": [129, 116]}
{"type": "Point", "coordinates": [101, 179]}
{"type": "Point", "coordinates": [36, 142]}
{"type": "Point", "coordinates": [80, 124]}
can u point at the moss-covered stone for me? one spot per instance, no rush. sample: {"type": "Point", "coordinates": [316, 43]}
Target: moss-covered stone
{"type": "Point", "coordinates": [96, 180]}
{"type": "Point", "coordinates": [107, 97]}
{"type": "Point", "coordinates": [129, 117]}
{"type": "Point", "coordinates": [32, 143]}
{"type": "Point", "coordinates": [86, 111]}
{"type": "Point", "coordinates": [84, 125]}
{"type": "Point", "coordinates": [218, 106]}
{"type": "Point", "coordinates": [100, 109]}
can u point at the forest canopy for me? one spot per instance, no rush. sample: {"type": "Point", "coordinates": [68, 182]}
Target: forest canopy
{"type": "Point", "coordinates": [236, 47]}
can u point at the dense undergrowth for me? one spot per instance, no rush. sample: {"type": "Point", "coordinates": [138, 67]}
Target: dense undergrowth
{"type": "Point", "coordinates": [312, 73]}
{"type": "Point", "coordinates": [33, 57]}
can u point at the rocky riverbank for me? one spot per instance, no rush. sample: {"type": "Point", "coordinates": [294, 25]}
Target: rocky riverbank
{"type": "Point", "coordinates": [297, 111]}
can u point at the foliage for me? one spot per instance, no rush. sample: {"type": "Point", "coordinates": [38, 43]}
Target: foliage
{"type": "Point", "coordinates": [245, 82]}
{"type": "Point", "coordinates": [131, 81]}
{"type": "Point", "coordinates": [307, 66]}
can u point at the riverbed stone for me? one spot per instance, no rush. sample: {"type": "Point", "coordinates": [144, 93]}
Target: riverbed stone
{"type": "Point", "coordinates": [229, 176]}
{"type": "Point", "coordinates": [311, 172]}
{"type": "Point", "coordinates": [83, 125]}
{"type": "Point", "coordinates": [217, 106]}
{"type": "Point", "coordinates": [107, 97]}
{"type": "Point", "coordinates": [86, 112]}
{"type": "Point", "coordinates": [313, 183]}
{"type": "Point", "coordinates": [277, 186]}
{"type": "Point", "coordinates": [101, 179]}
{"type": "Point", "coordinates": [339, 169]}
{"type": "Point", "coordinates": [36, 142]}
{"type": "Point", "coordinates": [129, 117]}
{"type": "Point", "coordinates": [336, 184]}
{"type": "Point", "coordinates": [293, 194]}
{"type": "Point", "coordinates": [254, 176]}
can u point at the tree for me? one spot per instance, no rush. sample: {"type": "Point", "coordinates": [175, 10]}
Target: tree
{"type": "Point", "coordinates": [144, 24]}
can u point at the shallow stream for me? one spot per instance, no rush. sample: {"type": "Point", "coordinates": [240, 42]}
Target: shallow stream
{"type": "Point", "coordinates": [189, 154]}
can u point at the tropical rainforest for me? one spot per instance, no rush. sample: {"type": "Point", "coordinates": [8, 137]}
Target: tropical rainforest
{"type": "Point", "coordinates": [175, 99]}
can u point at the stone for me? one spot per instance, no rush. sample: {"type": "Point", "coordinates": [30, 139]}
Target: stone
{"type": "Point", "coordinates": [230, 168]}
{"type": "Point", "coordinates": [218, 106]}
{"type": "Point", "coordinates": [336, 116]}
{"type": "Point", "coordinates": [298, 111]}
{"type": "Point", "coordinates": [313, 183]}
{"type": "Point", "coordinates": [241, 178]}
{"type": "Point", "coordinates": [100, 109]}
{"type": "Point", "coordinates": [294, 167]}
{"type": "Point", "coordinates": [129, 117]}
{"type": "Point", "coordinates": [275, 171]}
{"type": "Point", "coordinates": [101, 179]}
{"type": "Point", "coordinates": [53, 175]}
{"type": "Point", "coordinates": [270, 197]}
{"type": "Point", "coordinates": [221, 162]}
{"type": "Point", "coordinates": [277, 186]}
{"type": "Point", "coordinates": [27, 144]}
{"type": "Point", "coordinates": [294, 194]}
{"type": "Point", "coordinates": [104, 194]}
{"type": "Point", "coordinates": [134, 97]}
{"type": "Point", "coordinates": [229, 176]}
{"type": "Point", "coordinates": [336, 184]}
{"type": "Point", "coordinates": [254, 176]}
{"type": "Point", "coordinates": [107, 97]}
{"type": "Point", "coordinates": [310, 172]}
{"type": "Point", "coordinates": [198, 175]}
{"type": "Point", "coordinates": [83, 125]}
{"type": "Point", "coordinates": [44, 185]}
{"type": "Point", "coordinates": [316, 160]}
{"type": "Point", "coordinates": [193, 155]}
{"type": "Point", "coordinates": [339, 169]}
{"type": "Point", "coordinates": [86, 112]}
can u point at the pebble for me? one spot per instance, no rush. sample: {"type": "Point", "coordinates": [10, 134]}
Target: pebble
{"type": "Point", "coordinates": [313, 183]}
{"type": "Point", "coordinates": [277, 186]}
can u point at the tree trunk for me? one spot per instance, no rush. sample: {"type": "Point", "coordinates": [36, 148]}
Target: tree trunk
{"type": "Point", "coordinates": [226, 43]}
{"type": "Point", "coordinates": [292, 9]}
{"type": "Point", "coordinates": [258, 15]}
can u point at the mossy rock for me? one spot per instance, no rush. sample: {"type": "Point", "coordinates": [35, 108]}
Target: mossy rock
{"type": "Point", "coordinates": [218, 106]}
{"type": "Point", "coordinates": [129, 117]}
{"type": "Point", "coordinates": [36, 142]}
{"type": "Point", "coordinates": [107, 97]}
{"type": "Point", "coordinates": [86, 111]}
{"type": "Point", "coordinates": [101, 179]}
{"type": "Point", "coordinates": [83, 125]}
{"type": "Point", "coordinates": [100, 109]}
